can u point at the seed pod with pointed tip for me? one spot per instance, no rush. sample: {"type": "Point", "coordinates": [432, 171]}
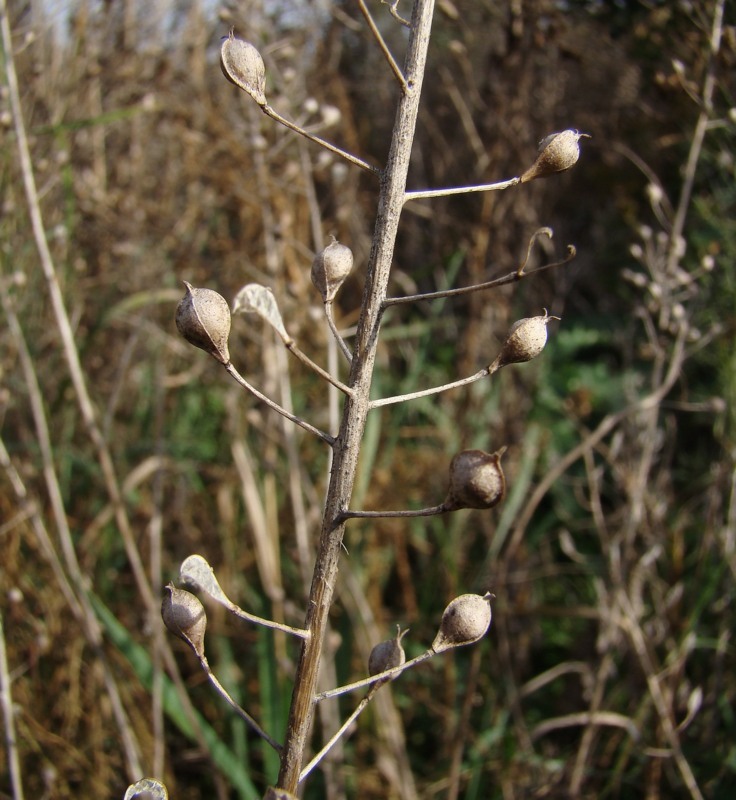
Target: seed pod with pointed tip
{"type": "Point", "coordinates": [476, 480]}
{"type": "Point", "coordinates": [387, 654]}
{"type": "Point", "coordinates": [557, 153]}
{"type": "Point", "coordinates": [330, 268]}
{"type": "Point", "coordinates": [203, 319]}
{"type": "Point", "coordinates": [464, 621]}
{"type": "Point", "coordinates": [525, 341]}
{"type": "Point", "coordinates": [183, 614]}
{"type": "Point", "coordinates": [241, 64]}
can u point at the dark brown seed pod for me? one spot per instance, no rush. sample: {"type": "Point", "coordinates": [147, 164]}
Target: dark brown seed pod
{"type": "Point", "coordinates": [557, 153]}
{"type": "Point", "coordinates": [525, 341]}
{"type": "Point", "coordinates": [203, 319]}
{"type": "Point", "coordinates": [476, 480]}
{"type": "Point", "coordinates": [464, 621]}
{"type": "Point", "coordinates": [387, 654]}
{"type": "Point", "coordinates": [330, 268]}
{"type": "Point", "coordinates": [241, 64]}
{"type": "Point", "coordinates": [183, 614]}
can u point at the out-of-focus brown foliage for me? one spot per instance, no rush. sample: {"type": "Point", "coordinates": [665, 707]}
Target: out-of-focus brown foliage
{"type": "Point", "coordinates": [152, 169]}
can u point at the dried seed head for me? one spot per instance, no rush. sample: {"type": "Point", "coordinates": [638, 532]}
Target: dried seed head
{"type": "Point", "coordinates": [330, 268]}
{"type": "Point", "coordinates": [557, 153]}
{"type": "Point", "coordinates": [476, 480]}
{"type": "Point", "coordinates": [388, 654]}
{"type": "Point", "coordinates": [183, 614]}
{"type": "Point", "coordinates": [465, 620]}
{"type": "Point", "coordinates": [525, 341]}
{"type": "Point", "coordinates": [203, 319]}
{"type": "Point", "coordinates": [241, 64]}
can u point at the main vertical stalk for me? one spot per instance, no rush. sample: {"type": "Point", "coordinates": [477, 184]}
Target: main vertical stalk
{"type": "Point", "coordinates": [348, 443]}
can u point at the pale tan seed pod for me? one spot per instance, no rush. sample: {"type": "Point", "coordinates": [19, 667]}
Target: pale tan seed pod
{"type": "Point", "coordinates": [241, 64]}
{"type": "Point", "coordinates": [183, 614]}
{"type": "Point", "coordinates": [330, 268]}
{"type": "Point", "coordinates": [476, 480]}
{"type": "Point", "coordinates": [388, 654]}
{"type": "Point", "coordinates": [465, 620]}
{"type": "Point", "coordinates": [203, 319]}
{"type": "Point", "coordinates": [525, 341]}
{"type": "Point", "coordinates": [557, 153]}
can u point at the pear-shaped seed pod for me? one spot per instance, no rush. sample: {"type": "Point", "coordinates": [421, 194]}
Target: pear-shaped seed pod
{"type": "Point", "coordinates": [525, 341]}
{"type": "Point", "coordinates": [241, 64]}
{"type": "Point", "coordinates": [330, 268]}
{"type": "Point", "coordinates": [557, 153]}
{"type": "Point", "coordinates": [476, 480]}
{"type": "Point", "coordinates": [464, 621]}
{"type": "Point", "coordinates": [387, 654]}
{"type": "Point", "coordinates": [203, 319]}
{"type": "Point", "coordinates": [183, 614]}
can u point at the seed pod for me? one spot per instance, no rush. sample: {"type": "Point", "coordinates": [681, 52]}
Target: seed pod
{"type": "Point", "coordinates": [203, 319]}
{"type": "Point", "coordinates": [387, 654]}
{"type": "Point", "coordinates": [525, 341]}
{"type": "Point", "coordinates": [476, 480]}
{"type": "Point", "coordinates": [557, 153]}
{"type": "Point", "coordinates": [330, 268]}
{"type": "Point", "coordinates": [241, 64]}
{"type": "Point", "coordinates": [183, 614]}
{"type": "Point", "coordinates": [465, 620]}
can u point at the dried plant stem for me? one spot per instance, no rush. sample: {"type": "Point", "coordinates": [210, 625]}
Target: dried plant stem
{"type": "Point", "coordinates": [305, 359]}
{"type": "Point", "coordinates": [358, 162]}
{"type": "Point", "coordinates": [242, 713]}
{"type": "Point", "coordinates": [65, 329]}
{"type": "Point", "coordinates": [511, 277]}
{"type": "Point", "coordinates": [329, 315]}
{"type": "Point", "coordinates": [382, 44]}
{"type": "Point", "coordinates": [6, 703]}
{"type": "Point", "coordinates": [402, 398]}
{"type": "Point", "coordinates": [266, 623]}
{"type": "Point", "coordinates": [431, 511]}
{"type": "Point", "coordinates": [423, 194]}
{"type": "Point", "coordinates": [380, 676]}
{"type": "Point", "coordinates": [276, 407]}
{"type": "Point", "coordinates": [339, 733]}
{"type": "Point", "coordinates": [347, 445]}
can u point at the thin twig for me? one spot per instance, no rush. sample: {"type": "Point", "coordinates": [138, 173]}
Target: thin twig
{"type": "Point", "coordinates": [336, 333]}
{"type": "Point", "coordinates": [384, 47]}
{"type": "Point", "coordinates": [402, 398]}
{"type": "Point", "coordinates": [393, 7]}
{"type": "Point", "coordinates": [305, 359]}
{"type": "Point", "coordinates": [512, 277]}
{"type": "Point", "coordinates": [242, 713]}
{"type": "Point", "coordinates": [483, 187]}
{"type": "Point", "coordinates": [6, 703]}
{"type": "Point", "coordinates": [380, 676]}
{"type": "Point", "coordinates": [431, 511]}
{"type": "Point", "coordinates": [358, 162]}
{"type": "Point", "coordinates": [276, 407]}
{"type": "Point", "coordinates": [335, 738]}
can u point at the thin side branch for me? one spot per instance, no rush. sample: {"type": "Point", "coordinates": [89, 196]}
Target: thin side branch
{"type": "Point", "coordinates": [242, 713]}
{"type": "Point", "coordinates": [358, 162]}
{"type": "Point", "coordinates": [431, 511]}
{"type": "Point", "coordinates": [344, 349]}
{"type": "Point", "coordinates": [384, 47]}
{"type": "Point", "coordinates": [380, 676]}
{"type": "Point", "coordinates": [423, 194]}
{"type": "Point", "coordinates": [512, 277]}
{"type": "Point", "coordinates": [402, 398]}
{"type": "Point", "coordinates": [305, 359]}
{"type": "Point", "coordinates": [340, 732]}
{"type": "Point", "coordinates": [330, 440]}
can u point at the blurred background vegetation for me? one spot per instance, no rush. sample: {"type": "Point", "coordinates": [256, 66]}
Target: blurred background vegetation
{"type": "Point", "coordinates": [609, 669]}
